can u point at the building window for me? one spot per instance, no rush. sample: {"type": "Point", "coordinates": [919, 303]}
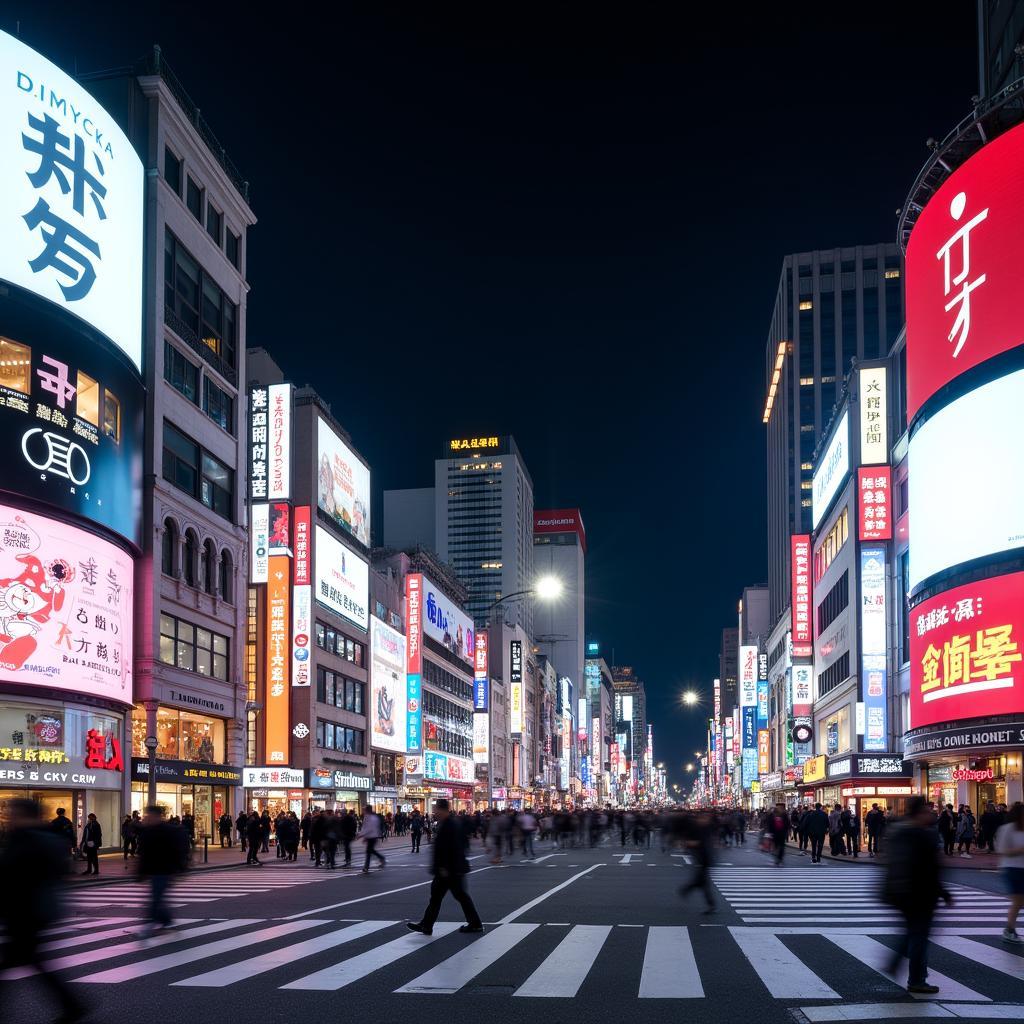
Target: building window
{"type": "Point", "coordinates": [335, 642]}
{"type": "Point", "coordinates": [197, 473]}
{"type": "Point", "coordinates": [180, 373]}
{"type": "Point", "coordinates": [210, 567]}
{"type": "Point", "coordinates": [88, 399]}
{"type": "Point", "coordinates": [838, 672]}
{"type": "Point", "coordinates": [169, 548]}
{"type": "Point", "coordinates": [172, 171]}
{"type": "Point", "coordinates": [892, 275]}
{"type": "Point", "coordinates": [112, 416]}
{"type": "Point", "coordinates": [339, 737]}
{"type": "Point", "coordinates": [15, 366]}
{"type": "Point", "coordinates": [806, 382]}
{"type": "Point", "coordinates": [805, 305]}
{"type": "Point", "coordinates": [339, 691]}
{"type": "Point", "coordinates": [194, 199]}
{"type": "Point", "coordinates": [180, 735]}
{"type": "Point", "coordinates": [193, 648]}
{"type": "Point", "coordinates": [219, 406]}
{"type": "Point", "coordinates": [831, 545]}
{"type": "Point", "coordinates": [218, 486]}
{"type": "Point", "coordinates": [233, 249]}
{"type": "Point", "coordinates": [834, 604]}
{"type": "Point", "coordinates": [191, 553]}
{"type": "Point", "coordinates": [226, 573]}
{"type": "Point", "coordinates": [214, 223]}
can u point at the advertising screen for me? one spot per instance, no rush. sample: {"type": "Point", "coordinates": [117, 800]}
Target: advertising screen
{"type": "Point", "coordinates": [270, 442]}
{"type": "Point", "coordinates": [873, 648]}
{"type": "Point", "coordinates": [413, 662]}
{"type": "Point", "coordinates": [966, 484]}
{"type": "Point", "coordinates": [831, 470]}
{"type": "Point", "coordinates": [259, 543]}
{"type": "Point", "coordinates": [446, 623]}
{"type": "Point", "coordinates": [874, 498]}
{"type": "Point", "coordinates": [800, 587]}
{"type": "Point", "coordinates": [515, 686]}
{"type": "Point", "coordinates": [65, 608]}
{"type": "Point", "coordinates": [302, 634]}
{"type": "Point", "coordinates": [964, 266]}
{"type": "Point", "coordinates": [748, 676]}
{"type": "Point", "coordinates": [389, 698]}
{"type": "Point", "coordinates": [71, 198]}
{"type": "Point", "coordinates": [342, 578]}
{"type": "Point", "coordinates": [481, 737]}
{"type": "Point", "coordinates": [481, 679]}
{"type": "Point", "coordinates": [874, 421]}
{"type": "Point", "coordinates": [276, 699]}
{"type": "Point", "coordinates": [343, 484]}
{"type": "Point", "coordinates": [965, 652]}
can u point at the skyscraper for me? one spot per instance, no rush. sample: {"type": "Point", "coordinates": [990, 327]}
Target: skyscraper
{"type": "Point", "coordinates": [832, 307]}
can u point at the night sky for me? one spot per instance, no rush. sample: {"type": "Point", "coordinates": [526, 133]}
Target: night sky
{"type": "Point", "coordinates": [562, 224]}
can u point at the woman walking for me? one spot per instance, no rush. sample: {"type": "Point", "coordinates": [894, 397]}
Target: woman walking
{"type": "Point", "coordinates": [1010, 847]}
{"type": "Point", "coordinates": [965, 832]}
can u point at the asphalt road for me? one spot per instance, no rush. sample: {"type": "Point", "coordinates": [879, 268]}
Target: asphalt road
{"type": "Point", "coordinates": [601, 932]}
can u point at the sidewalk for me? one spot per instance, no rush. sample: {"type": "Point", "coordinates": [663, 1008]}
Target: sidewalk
{"type": "Point", "coordinates": [978, 861]}
{"type": "Point", "coordinates": [113, 865]}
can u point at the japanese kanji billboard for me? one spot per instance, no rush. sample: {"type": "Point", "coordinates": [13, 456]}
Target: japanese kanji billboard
{"type": "Point", "coordinates": [414, 661]}
{"type": "Point", "coordinates": [65, 608]}
{"type": "Point", "coordinates": [874, 416]}
{"type": "Point", "coordinates": [276, 699]}
{"type": "Point", "coordinates": [965, 652]}
{"type": "Point", "coordinates": [965, 260]}
{"type": "Point", "coordinates": [874, 500]}
{"type": "Point", "coordinates": [800, 594]}
{"type": "Point", "coordinates": [71, 198]}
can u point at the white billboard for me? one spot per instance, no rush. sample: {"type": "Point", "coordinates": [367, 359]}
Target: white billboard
{"type": "Point", "coordinates": [302, 634]}
{"type": "Point", "coordinates": [342, 579]}
{"type": "Point", "coordinates": [481, 737]}
{"type": "Point", "coordinates": [71, 198]}
{"type": "Point", "coordinates": [259, 539]}
{"type": "Point", "coordinates": [748, 676]}
{"type": "Point", "coordinates": [874, 432]}
{"type": "Point", "coordinates": [343, 484]}
{"type": "Point", "coordinates": [831, 470]}
{"type": "Point", "coordinates": [445, 622]}
{"type": "Point", "coordinates": [387, 684]}
{"type": "Point", "coordinates": [965, 479]}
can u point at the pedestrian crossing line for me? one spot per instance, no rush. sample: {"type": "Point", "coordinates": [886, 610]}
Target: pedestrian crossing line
{"type": "Point", "coordinates": [101, 936]}
{"type": "Point", "coordinates": [224, 976]}
{"type": "Point", "coordinates": [878, 957]}
{"type": "Point", "coordinates": [670, 969]}
{"type": "Point", "coordinates": [781, 971]}
{"type": "Point", "coordinates": [458, 970]}
{"type": "Point", "coordinates": [980, 952]}
{"type": "Point", "coordinates": [564, 970]}
{"type": "Point", "coordinates": [337, 976]}
{"type": "Point", "coordinates": [142, 968]}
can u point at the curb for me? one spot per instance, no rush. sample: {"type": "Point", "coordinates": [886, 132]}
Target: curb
{"type": "Point", "coordinates": [133, 876]}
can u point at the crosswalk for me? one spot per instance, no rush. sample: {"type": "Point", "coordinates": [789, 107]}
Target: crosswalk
{"type": "Point", "coordinates": [532, 960]}
{"type": "Point", "coordinates": [842, 897]}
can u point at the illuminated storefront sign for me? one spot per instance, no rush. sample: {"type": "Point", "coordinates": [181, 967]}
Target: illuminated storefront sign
{"type": "Point", "coordinates": [465, 444]}
{"type": "Point", "coordinates": [342, 578]}
{"type": "Point", "coordinates": [276, 698]}
{"type": "Point", "coordinates": [814, 769]}
{"type": "Point", "coordinates": [481, 678]}
{"type": "Point", "coordinates": [447, 767]}
{"type": "Point", "coordinates": [800, 594]}
{"type": "Point", "coordinates": [389, 687]}
{"type": "Point", "coordinates": [748, 677]}
{"type": "Point", "coordinates": [287, 778]}
{"type": "Point", "coordinates": [280, 528]}
{"type": "Point", "coordinates": [874, 492]}
{"type": "Point", "coordinates": [413, 661]}
{"type": "Point", "coordinates": [259, 538]}
{"type": "Point", "coordinates": [874, 431]}
{"type": "Point", "coordinates": [763, 751]}
{"type": "Point", "coordinates": [963, 270]}
{"type": "Point", "coordinates": [343, 484]}
{"type": "Point", "coordinates": [803, 689]}
{"type": "Point", "coordinates": [873, 647]}
{"type": "Point", "coordinates": [831, 471]}
{"type": "Point", "coordinates": [965, 653]}
{"type": "Point", "coordinates": [270, 441]}
{"type": "Point", "coordinates": [762, 703]}
{"type": "Point", "coordinates": [515, 687]}
{"type": "Point", "coordinates": [71, 199]}
{"type": "Point", "coordinates": [186, 773]}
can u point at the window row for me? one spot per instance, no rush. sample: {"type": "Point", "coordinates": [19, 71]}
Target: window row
{"type": "Point", "coordinates": [335, 642]}
{"type": "Point", "coordinates": [834, 603]}
{"type": "Point", "coordinates": [195, 471]}
{"type": "Point", "coordinates": [339, 737]}
{"type": "Point", "coordinates": [445, 680]}
{"type": "Point", "coordinates": [339, 691]}
{"type": "Point", "coordinates": [193, 648]}
{"type": "Point", "coordinates": [836, 673]}
{"type": "Point", "coordinates": [183, 375]}
{"type": "Point", "coordinates": [445, 711]}
{"type": "Point", "coordinates": [185, 187]}
{"type": "Point", "coordinates": [831, 545]}
{"type": "Point", "coordinates": [198, 567]}
{"type": "Point", "coordinates": [180, 735]}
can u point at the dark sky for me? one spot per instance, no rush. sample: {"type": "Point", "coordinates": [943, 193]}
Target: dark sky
{"type": "Point", "coordinates": [560, 221]}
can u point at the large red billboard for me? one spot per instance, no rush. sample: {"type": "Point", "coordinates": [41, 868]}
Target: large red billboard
{"type": "Point", "coordinates": [874, 488]}
{"type": "Point", "coordinates": [965, 652]}
{"type": "Point", "coordinates": [965, 261]}
{"type": "Point", "coordinates": [800, 597]}
{"type": "Point", "coordinates": [560, 520]}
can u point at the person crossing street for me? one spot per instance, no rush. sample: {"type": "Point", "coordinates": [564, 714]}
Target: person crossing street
{"type": "Point", "coordinates": [372, 832]}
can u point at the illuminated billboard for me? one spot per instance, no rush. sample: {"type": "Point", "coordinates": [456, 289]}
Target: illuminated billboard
{"type": "Point", "coordinates": [270, 442]}
{"type": "Point", "coordinates": [481, 737]}
{"type": "Point", "coordinates": [516, 687]}
{"type": "Point", "coordinates": [276, 698]}
{"type": "Point", "coordinates": [342, 578]}
{"type": "Point", "coordinates": [965, 479]}
{"type": "Point", "coordinates": [343, 484]}
{"type": "Point", "coordinates": [965, 652]}
{"type": "Point", "coordinates": [446, 623]}
{"type": "Point", "coordinates": [389, 698]}
{"type": "Point", "coordinates": [71, 198]}
{"type": "Point", "coordinates": [964, 266]}
{"type": "Point", "coordinates": [414, 662]}
{"type": "Point", "coordinates": [481, 678]}
{"type": "Point", "coordinates": [874, 500]}
{"type": "Point", "coordinates": [748, 676]}
{"type": "Point", "coordinates": [259, 543]}
{"type": "Point", "coordinates": [800, 595]}
{"type": "Point", "coordinates": [302, 634]}
{"type": "Point", "coordinates": [66, 600]}
{"type": "Point", "coordinates": [873, 647]}
{"type": "Point", "coordinates": [874, 422]}
{"type": "Point", "coordinates": [831, 470]}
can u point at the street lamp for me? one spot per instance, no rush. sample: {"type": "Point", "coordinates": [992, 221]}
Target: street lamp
{"type": "Point", "coordinates": [688, 767]}
{"type": "Point", "coordinates": [690, 698]}
{"type": "Point", "coordinates": [151, 745]}
{"type": "Point", "coordinates": [546, 588]}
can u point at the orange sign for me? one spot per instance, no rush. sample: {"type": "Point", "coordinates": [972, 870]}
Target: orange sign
{"type": "Point", "coordinates": [278, 659]}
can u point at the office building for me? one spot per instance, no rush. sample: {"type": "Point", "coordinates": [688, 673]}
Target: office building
{"type": "Point", "coordinates": [630, 697]}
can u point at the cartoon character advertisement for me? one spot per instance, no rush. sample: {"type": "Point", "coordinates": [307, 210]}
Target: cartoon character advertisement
{"type": "Point", "coordinates": [343, 484]}
{"type": "Point", "coordinates": [65, 607]}
{"type": "Point", "coordinates": [388, 681]}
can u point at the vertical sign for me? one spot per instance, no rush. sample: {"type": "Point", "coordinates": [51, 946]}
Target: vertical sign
{"type": "Point", "coordinates": [800, 594]}
{"type": "Point", "coordinates": [259, 564]}
{"type": "Point", "coordinates": [279, 441]}
{"type": "Point", "coordinates": [259, 402]}
{"type": "Point", "coordinates": [301, 520]}
{"type": "Point", "coordinates": [302, 610]}
{"type": "Point", "coordinates": [763, 759]}
{"type": "Point", "coordinates": [872, 645]}
{"type": "Point", "coordinates": [276, 699]}
{"type": "Point", "coordinates": [748, 713]}
{"type": "Point", "coordinates": [481, 680]}
{"type": "Point", "coordinates": [516, 687]}
{"type": "Point", "coordinates": [874, 433]}
{"type": "Point", "coordinates": [414, 661]}
{"type": "Point", "coordinates": [718, 700]}
{"type": "Point", "coordinates": [874, 489]}
{"type": "Point", "coordinates": [748, 676]}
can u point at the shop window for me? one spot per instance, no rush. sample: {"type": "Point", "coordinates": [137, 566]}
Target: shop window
{"type": "Point", "coordinates": [169, 548]}
{"type": "Point", "coordinates": [166, 733]}
{"type": "Point", "coordinates": [202, 738]}
{"type": "Point", "coordinates": [15, 366]}
{"type": "Point", "coordinates": [191, 551]}
{"type": "Point", "coordinates": [88, 406]}
{"type": "Point", "coordinates": [111, 416]}
{"type": "Point", "coordinates": [210, 567]}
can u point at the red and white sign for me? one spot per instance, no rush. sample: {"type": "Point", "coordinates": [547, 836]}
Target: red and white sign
{"type": "Point", "coordinates": [301, 530]}
{"type": "Point", "coordinates": [561, 520]}
{"type": "Point", "coordinates": [874, 488]}
{"type": "Point", "coordinates": [965, 652]}
{"type": "Point", "coordinates": [973, 774]}
{"type": "Point", "coordinates": [800, 567]}
{"type": "Point", "coordinates": [414, 623]}
{"type": "Point", "coordinates": [965, 261]}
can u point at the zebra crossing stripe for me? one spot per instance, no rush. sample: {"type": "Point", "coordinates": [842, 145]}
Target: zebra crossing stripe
{"type": "Point", "coordinates": [285, 955]}
{"type": "Point", "coordinates": [141, 968]}
{"type": "Point", "coordinates": [781, 971]}
{"type": "Point", "coordinates": [878, 956]}
{"type": "Point", "coordinates": [339, 975]}
{"type": "Point", "coordinates": [452, 974]}
{"type": "Point", "coordinates": [101, 936]}
{"type": "Point", "coordinates": [979, 952]}
{"type": "Point", "coordinates": [564, 971]}
{"type": "Point", "coordinates": [670, 970]}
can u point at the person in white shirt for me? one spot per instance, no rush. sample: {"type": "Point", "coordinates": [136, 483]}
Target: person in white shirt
{"type": "Point", "coordinates": [371, 834]}
{"type": "Point", "coordinates": [527, 826]}
{"type": "Point", "coordinates": [1010, 847]}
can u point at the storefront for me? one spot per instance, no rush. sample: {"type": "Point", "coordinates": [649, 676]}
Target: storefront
{"type": "Point", "coordinates": [187, 787]}
{"type": "Point", "coordinates": [334, 789]}
{"type": "Point", "coordinates": [384, 799]}
{"type": "Point", "coordinates": [451, 778]}
{"type": "Point", "coordinates": [63, 755]}
{"type": "Point", "coordinates": [274, 790]}
{"type": "Point", "coordinates": [857, 781]}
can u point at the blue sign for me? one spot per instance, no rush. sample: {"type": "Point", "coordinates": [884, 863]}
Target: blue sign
{"type": "Point", "coordinates": [435, 765]}
{"type": "Point", "coordinates": [749, 739]}
{"type": "Point", "coordinates": [414, 718]}
{"type": "Point", "coordinates": [481, 693]}
{"type": "Point", "coordinates": [749, 767]}
{"type": "Point", "coordinates": [585, 770]}
{"type": "Point", "coordinates": [762, 703]}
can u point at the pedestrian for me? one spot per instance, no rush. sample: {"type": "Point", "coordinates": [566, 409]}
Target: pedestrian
{"type": "Point", "coordinates": [416, 829]}
{"type": "Point", "coordinates": [874, 822]}
{"type": "Point", "coordinates": [265, 829]}
{"type": "Point", "coordinates": [33, 861]}
{"type": "Point", "coordinates": [1010, 847]}
{"type": "Point", "coordinates": [698, 837]}
{"type": "Point", "coordinates": [307, 821]}
{"type": "Point", "coordinates": [317, 831]}
{"type": "Point", "coordinates": [449, 869]}
{"type": "Point", "coordinates": [92, 840]}
{"type": "Point", "coordinates": [128, 838]}
{"type": "Point", "coordinates": [348, 827]}
{"type": "Point", "coordinates": [163, 853]}
{"type": "Point", "coordinates": [965, 832]}
{"type": "Point", "coordinates": [817, 829]}
{"type": "Point", "coordinates": [947, 829]}
{"type": "Point", "coordinates": [65, 831]}
{"type": "Point", "coordinates": [913, 885]}
{"type": "Point", "coordinates": [224, 828]}
{"type": "Point", "coordinates": [371, 836]}
{"type": "Point", "coordinates": [241, 828]}
{"type": "Point", "coordinates": [851, 831]}
{"type": "Point", "coordinates": [527, 827]}
{"type": "Point", "coordinates": [778, 830]}
{"type": "Point", "coordinates": [835, 832]}
{"type": "Point", "coordinates": [987, 825]}
{"type": "Point", "coordinates": [254, 838]}
{"type": "Point", "coordinates": [332, 836]}
{"type": "Point", "coordinates": [188, 823]}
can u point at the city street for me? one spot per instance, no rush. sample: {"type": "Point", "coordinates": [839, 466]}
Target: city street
{"type": "Point", "coordinates": [605, 926]}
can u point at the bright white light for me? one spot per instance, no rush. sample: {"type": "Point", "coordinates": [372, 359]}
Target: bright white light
{"type": "Point", "coordinates": [548, 588]}
{"type": "Point", "coordinates": [690, 697]}
{"type": "Point", "coordinates": [689, 767]}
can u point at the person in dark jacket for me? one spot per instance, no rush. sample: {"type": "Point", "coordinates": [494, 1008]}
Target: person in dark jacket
{"type": "Point", "coordinates": [450, 868]}
{"type": "Point", "coordinates": [348, 827]}
{"type": "Point", "coordinates": [947, 829]}
{"type": "Point", "coordinates": [92, 840]}
{"type": "Point", "coordinates": [62, 826]}
{"type": "Point", "coordinates": [33, 861]}
{"type": "Point", "coordinates": [913, 885]}
{"type": "Point", "coordinates": [416, 830]}
{"type": "Point", "coordinates": [265, 827]}
{"type": "Point", "coordinates": [698, 835]}
{"type": "Point", "coordinates": [778, 829]}
{"type": "Point", "coordinates": [129, 830]}
{"type": "Point", "coordinates": [224, 825]}
{"type": "Point", "coordinates": [317, 834]}
{"type": "Point", "coordinates": [254, 838]}
{"type": "Point", "coordinates": [307, 820]}
{"type": "Point", "coordinates": [817, 829]}
{"type": "Point", "coordinates": [241, 826]}
{"type": "Point", "coordinates": [163, 853]}
{"type": "Point", "coordinates": [874, 822]}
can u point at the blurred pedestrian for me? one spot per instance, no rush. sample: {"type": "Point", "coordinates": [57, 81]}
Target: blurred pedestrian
{"type": "Point", "coordinates": [92, 840]}
{"type": "Point", "coordinates": [62, 827]}
{"type": "Point", "coordinates": [778, 829]}
{"type": "Point", "coordinates": [372, 831]}
{"type": "Point", "coordinates": [817, 829]}
{"type": "Point", "coordinates": [699, 840]}
{"type": "Point", "coordinates": [163, 853]}
{"type": "Point", "coordinates": [1010, 847]}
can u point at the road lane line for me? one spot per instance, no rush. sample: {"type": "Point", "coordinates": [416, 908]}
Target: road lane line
{"type": "Point", "coordinates": [508, 918]}
{"type": "Point", "coordinates": [670, 969]}
{"type": "Point", "coordinates": [567, 967]}
{"type": "Point", "coordinates": [979, 952]}
{"type": "Point", "coordinates": [781, 971]}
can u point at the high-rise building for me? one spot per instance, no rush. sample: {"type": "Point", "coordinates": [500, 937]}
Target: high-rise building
{"type": "Point", "coordinates": [728, 670]}
{"type": "Point", "coordinates": [1000, 46]}
{"type": "Point", "coordinates": [630, 722]}
{"type": "Point", "coordinates": [483, 523]}
{"type": "Point", "coordinates": [832, 307]}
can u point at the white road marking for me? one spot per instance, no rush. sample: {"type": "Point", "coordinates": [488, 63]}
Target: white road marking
{"type": "Point", "coordinates": [670, 970]}
{"type": "Point", "coordinates": [872, 1011]}
{"type": "Point", "coordinates": [781, 971]}
{"type": "Point", "coordinates": [566, 968]}
{"type": "Point", "coordinates": [979, 952]}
